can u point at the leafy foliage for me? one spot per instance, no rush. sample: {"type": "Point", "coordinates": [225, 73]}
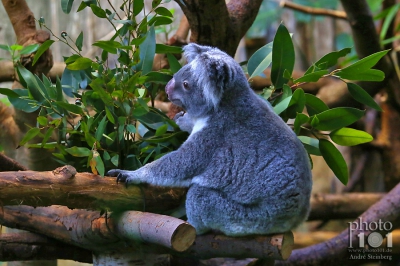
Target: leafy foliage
{"type": "Point", "coordinates": [314, 122]}
{"type": "Point", "coordinates": [110, 122]}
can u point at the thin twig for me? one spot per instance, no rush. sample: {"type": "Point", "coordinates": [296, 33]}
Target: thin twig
{"type": "Point", "coordinates": [314, 11]}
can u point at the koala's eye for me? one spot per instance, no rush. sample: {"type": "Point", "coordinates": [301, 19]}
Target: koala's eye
{"type": "Point", "coordinates": [186, 85]}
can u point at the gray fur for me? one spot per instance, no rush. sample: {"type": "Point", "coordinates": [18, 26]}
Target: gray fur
{"type": "Point", "coordinates": [246, 170]}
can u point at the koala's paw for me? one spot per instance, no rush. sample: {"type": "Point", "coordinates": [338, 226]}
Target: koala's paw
{"type": "Point", "coordinates": [179, 115]}
{"type": "Point", "coordinates": [184, 121]}
{"type": "Point", "coordinates": [124, 176]}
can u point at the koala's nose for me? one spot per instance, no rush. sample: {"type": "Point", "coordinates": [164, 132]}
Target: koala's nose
{"type": "Point", "coordinates": [170, 86]}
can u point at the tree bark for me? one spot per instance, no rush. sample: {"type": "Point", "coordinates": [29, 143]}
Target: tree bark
{"type": "Point", "coordinates": [218, 24]}
{"type": "Point", "coordinates": [64, 186]}
{"type": "Point", "coordinates": [341, 206]}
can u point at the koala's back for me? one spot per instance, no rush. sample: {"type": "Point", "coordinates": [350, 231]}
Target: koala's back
{"type": "Point", "coordinates": [257, 162]}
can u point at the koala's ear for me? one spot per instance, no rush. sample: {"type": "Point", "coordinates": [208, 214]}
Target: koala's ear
{"type": "Point", "coordinates": [192, 50]}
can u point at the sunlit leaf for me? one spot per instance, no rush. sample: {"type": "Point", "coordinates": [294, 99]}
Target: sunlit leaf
{"type": "Point", "coordinates": [80, 64]}
{"type": "Point", "coordinates": [350, 137]}
{"type": "Point", "coordinates": [78, 151]}
{"type": "Point", "coordinates": [33, 132]}
{"type": "Point", "coordinates": [260, 60]}
{"type": "Point", "coordinates": [310, 144]}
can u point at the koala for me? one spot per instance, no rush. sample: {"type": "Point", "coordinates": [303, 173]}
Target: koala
{"type": "Point", "coordinates": [245, 169]}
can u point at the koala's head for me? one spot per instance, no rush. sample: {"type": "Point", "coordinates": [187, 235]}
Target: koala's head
{"type": "Point", "coordinates": [199, 86]}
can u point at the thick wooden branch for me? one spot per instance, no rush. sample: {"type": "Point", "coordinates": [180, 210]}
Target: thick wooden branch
{"type": "Point", "coordinates": [242, 14]}
{"type": "Point", "coordinates": [341, 206]}
{"type": "Point", "coordinates": [92, 231]}
{"type": "Point", "coordinates": [314, 11]}
{"type": "Point", "coordinates": [334, 251]}
{"type": "Point", "coordinates": [64, 186]}
{"type": "Point", "coordinates": [96, 232]}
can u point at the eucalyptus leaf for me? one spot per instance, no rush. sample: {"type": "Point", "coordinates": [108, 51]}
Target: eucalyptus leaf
{"type": "Point", "coordinates": [334, 159]}
{"type": "Point", "coordinates": [147, 51]}
{"type": "Point", "coordinates": [350, 137]}
{"type": "Point", "coordinates": [78, 151]}
{"type": "Point", "coordinates": [336, 118]}
{"type": "Point", "coordinates": [80, 64]}
{"type": "Point", "coordinates": [66, 5]}
{"type": "Point", "coordinates": [260, 60]}
{"type": "Point", "coordinates": [283, 56]}
{"type": "Point", "coordinates": [79, 41]}
{"type": "Point", "coordinates": [360, 95]}
{"type": "Point", "coordinates": [314, 104]}
{"type": "Point", "coordinates": [33, 132]}
{"type": "Point", "coordinates": [310, 144]}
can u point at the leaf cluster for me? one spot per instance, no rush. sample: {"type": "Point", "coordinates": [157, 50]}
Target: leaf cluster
{"type": "Point", "coordinates": [316, 125]}
{"type": "Point", "coordinates": [99, 115]}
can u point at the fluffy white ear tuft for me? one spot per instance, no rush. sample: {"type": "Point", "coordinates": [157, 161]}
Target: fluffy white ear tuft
{"type": "Point", "coordinates": [192, 50]}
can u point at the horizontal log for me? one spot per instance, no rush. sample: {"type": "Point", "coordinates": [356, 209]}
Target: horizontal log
{"type": "Point", "coordinates": [341, 206]}
{"type": "Point", "coordinates": [161, 234]}
{"type": "Point", "coordinates": [64, 186]}
{"type": "Point", "coordinates": [97, 232]}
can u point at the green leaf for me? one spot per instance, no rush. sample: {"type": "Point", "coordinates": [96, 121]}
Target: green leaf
{"type": "Point", "coordinates": [30, 82]}
{"type": "Point", "coordinates": [147, 51]}
{"type": "Point", "coordinates": [174, 64]}
{"type": "Point", "coordinates": [330, 60]}
{"type": "Point", "coordinates": [282, 56]}
{"type": "Point", "coordinates": [310, 144]}
{"type": "Point", "coordinates": [33, 132]}
{"type": "Point", "coordinates": [164, 49]}
{"type": "Point", "coordinates": [109, 46]}
{"type": "Point", "coordinates": [98, 11]}
{"type": "Point", "coordinates": [138, 6]}
{"type": "Point", "coordinates": [314, 105]}
{"type": "Point", "coordinates": [364, 65]}
{"type": "Point", "coordinates": [334, 160]}
{"type": "Point", "coordinates": [70, 107]}
{"type": "Point", "coordinates": [282, 106]}
{"type": "Point", "coordinates": [161, 130]}
{"type": "Point", "coordinates": [99, 164]}
{"type": "Point", "coordinates": [42, 120]}
{"type": "Point", "coordinates": [311, 77]}
{"type": "Point", "coordinates": [260, 60]}
{"type": "Point", "coordinates": [300, 120]}
{"type": "Point", "coordinates": [79, 41]}
{"type": "Point", "coordinates": [100, 129]}
{"type": "Point", "coordinates": [368, 75]}
{"type": "Point", "coordinates": [296, 104]}
{"type": "Point", "coordinates": [350, 137]}
{"type": "Point", "coordinates": [9, 93]}
{"type": "Point", "coordinates": [5, 47]}
{"type": "Point", "coordinates": [78, 151]}
{"type": "Point", "coordinates": [21, 101]}
{"type": "Point", "coordinates": [337, 118]}
{"type": "Point", "coordinates": [158, 21]}
{"type": "Point", "coordinates": [391, 14]}
{"type": "Point", "coordinates": [47, 135]}
{"type": "Point", "coordinates": [158, 77]}
{"type": "Point", "coordinates": [360, 95]}
{"type": "Point", "coordinates": [80, 64]}
{"type": "Point", "coordinates": [163, 11]}
{"type": "Point", "coordinates": [29, 49]}
{"type": "Point", "coordinates": [66, 5]}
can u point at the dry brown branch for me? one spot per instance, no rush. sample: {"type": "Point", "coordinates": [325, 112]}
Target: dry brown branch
{"type": "Point", "coordinates": [8, 164]}
{"type": "Point", "coordinates": [307, 239]}
{"type": "Point", "coordinates": [334, 251]}
{"type": "Point", "coordinates": [314, 11]}
{"type": "Point", "coordinates": [64, 186]}
{"type": "Point", "coordinates": [341, 206]}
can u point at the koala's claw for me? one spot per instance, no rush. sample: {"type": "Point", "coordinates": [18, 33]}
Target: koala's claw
{"type": "Point", "coordinates": [121, 177]}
